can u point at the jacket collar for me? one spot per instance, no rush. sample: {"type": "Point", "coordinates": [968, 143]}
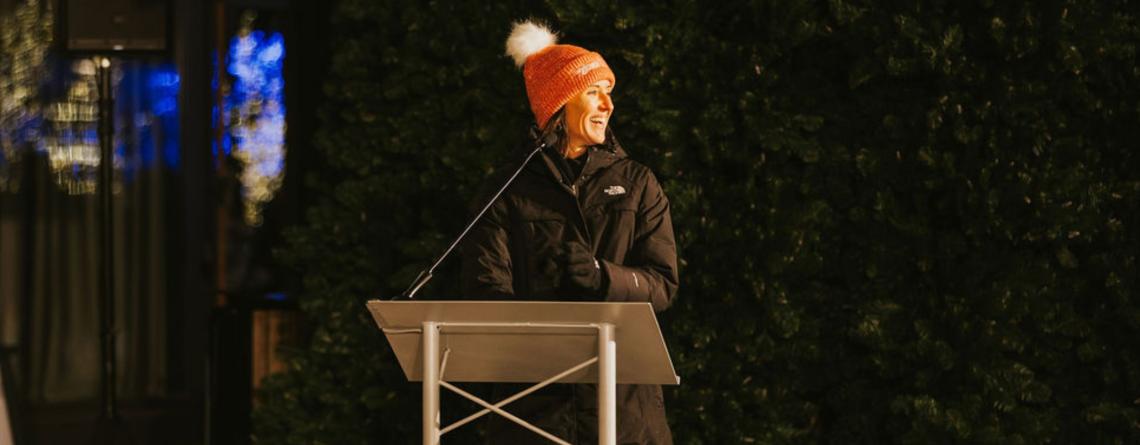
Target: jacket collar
{"type": "Point", "coordinates": [602, 156]}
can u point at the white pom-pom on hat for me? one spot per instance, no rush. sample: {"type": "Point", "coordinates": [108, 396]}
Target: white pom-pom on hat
{"type": "Point", "coordinates": [527, 38]}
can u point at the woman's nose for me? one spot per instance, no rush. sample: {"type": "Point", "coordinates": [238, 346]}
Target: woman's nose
{"type": "Point", "coordinates": [606, 103]}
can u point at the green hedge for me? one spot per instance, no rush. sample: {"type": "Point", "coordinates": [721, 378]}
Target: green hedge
{"type": "Point", "coordinates": [899, 222]}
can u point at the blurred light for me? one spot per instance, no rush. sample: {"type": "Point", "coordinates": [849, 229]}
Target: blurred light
{"type": "Point", "coordinates": [161, 97]}
{"type": "Point", "coordinates": [276, 296]}
{"type": "Point", "coordinates": [25, 38]}
{"type": "Point", "coordinates": [254, 113]}
{"type": "Point", "coordinates": [66, 129]}
{"type": "Point", "coordinates": [70, 134]}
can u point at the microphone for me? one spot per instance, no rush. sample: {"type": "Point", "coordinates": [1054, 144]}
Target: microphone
{"type": "Point", "coordinates": [545, 141]}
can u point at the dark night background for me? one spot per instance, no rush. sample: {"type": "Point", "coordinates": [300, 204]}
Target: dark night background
{"type": "Point", "coordinates": [898, 222]}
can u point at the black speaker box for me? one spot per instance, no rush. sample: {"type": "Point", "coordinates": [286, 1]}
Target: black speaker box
{"type": "Point", "coordinates": [115, 25]}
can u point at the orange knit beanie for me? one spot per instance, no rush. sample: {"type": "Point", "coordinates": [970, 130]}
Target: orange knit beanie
{"type": "Point", "coordinates": [554, 73]}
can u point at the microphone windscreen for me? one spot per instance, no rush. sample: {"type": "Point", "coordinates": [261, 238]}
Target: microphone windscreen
{"type": "Point", "coordinates": [549, 140]}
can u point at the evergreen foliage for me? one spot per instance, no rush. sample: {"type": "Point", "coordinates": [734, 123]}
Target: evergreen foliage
{"type": "Point", "coordinates": [899, 222]}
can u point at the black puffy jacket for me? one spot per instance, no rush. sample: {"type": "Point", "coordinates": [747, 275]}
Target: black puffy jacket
{"type": "Point", "coordinates": [618, 209]}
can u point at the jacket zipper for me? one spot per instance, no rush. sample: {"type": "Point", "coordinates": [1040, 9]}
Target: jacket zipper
{"type": "Point", "coordinates": [578, 203]}
{"type": "Point", "coordinates": [582, 216]}
{"type": "Point", "coordinates": [573, 190]}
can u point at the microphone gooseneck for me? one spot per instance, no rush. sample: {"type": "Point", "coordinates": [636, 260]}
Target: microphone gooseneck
{"type": "Point", "coordinates": [426, 275]}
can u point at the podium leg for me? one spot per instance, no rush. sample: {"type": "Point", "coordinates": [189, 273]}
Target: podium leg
{"type": "Point", "coordinates": [607, 385]}
{"type": "Point", "coordinates": [431, 383]}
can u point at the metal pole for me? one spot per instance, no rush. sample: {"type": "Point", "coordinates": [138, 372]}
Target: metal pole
{"type": "Point", "coordinates": [607, 385]}
{"type": "Point", "coordinates": [431, 383]}
{"type": "Point", "coordinates": [221, 244]}
{"type": "Point", "coordinates": [106, 234]}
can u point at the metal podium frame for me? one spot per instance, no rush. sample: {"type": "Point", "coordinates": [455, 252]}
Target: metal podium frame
{"type": "Point", "coordinates": [527, 342]}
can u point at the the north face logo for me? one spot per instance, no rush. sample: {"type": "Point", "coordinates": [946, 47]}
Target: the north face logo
{"type": "Point", "coordinates": [614, 190]}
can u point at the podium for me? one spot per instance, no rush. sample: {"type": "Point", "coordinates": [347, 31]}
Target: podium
{"type": "Point", "coordinates": [441, 342]}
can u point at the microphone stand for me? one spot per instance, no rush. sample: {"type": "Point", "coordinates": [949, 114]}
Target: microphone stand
{"type": "Point", "coordinates": [426, 274]}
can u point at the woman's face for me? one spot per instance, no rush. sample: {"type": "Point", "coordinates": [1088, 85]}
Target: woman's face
{"type": "Point", "coordinates": [587, 115]}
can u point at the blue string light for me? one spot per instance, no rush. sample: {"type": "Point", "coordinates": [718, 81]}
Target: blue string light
{"type": "Point", "coordinates": [254, 109]}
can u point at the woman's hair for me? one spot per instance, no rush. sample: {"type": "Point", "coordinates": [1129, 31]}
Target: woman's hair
{"type": "Point", "coordinates": [556, 125]}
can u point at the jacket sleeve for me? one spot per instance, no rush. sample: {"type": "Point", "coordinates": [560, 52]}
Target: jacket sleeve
{"type": "Point", "coordinates": [650, 272]}
{"type": "Point", "coordinates": [486, 268]}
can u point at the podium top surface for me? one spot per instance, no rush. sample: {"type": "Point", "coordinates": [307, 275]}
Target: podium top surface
{"type": "Point", "coordinates": [526, 341]}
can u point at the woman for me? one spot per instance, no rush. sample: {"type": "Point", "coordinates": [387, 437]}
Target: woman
{"type": "Point", "coordinates": [582, 222]}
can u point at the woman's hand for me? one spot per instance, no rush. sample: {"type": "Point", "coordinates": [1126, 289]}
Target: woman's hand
{"type": "Point", "coordinates": [581, 272]}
